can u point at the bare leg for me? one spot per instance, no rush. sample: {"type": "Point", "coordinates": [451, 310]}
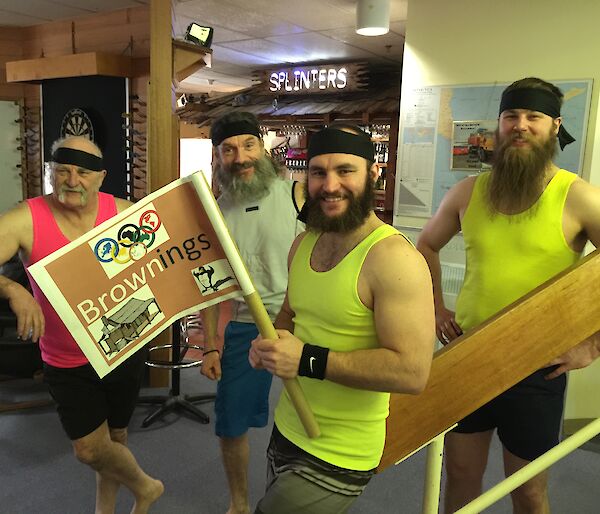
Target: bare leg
{"type": "Point", "coordinates": [113, 461]}
{"type": "Point", "coordinates": [532, 496]}
{"type": "Point", "coordinates": [465, 459]}
{"type": "Point", "coordinates": [107, 487]}
{"type": "Point", "coordinates": [235, 460]}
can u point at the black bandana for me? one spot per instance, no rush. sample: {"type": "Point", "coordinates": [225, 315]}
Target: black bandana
{"type": "Point", "coordinates": [235, 128]}
{"type": "Point", "coordinates": [78, 158]}
{"type": "Point", "coordinates": [536, 99]}
{"type": "Point", "coordinates": [339, 141]}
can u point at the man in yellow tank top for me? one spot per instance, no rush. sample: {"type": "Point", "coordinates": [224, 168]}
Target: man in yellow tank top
{"type": "Point", "coordinates": [357, 323]}
{"type": "Point", "coordinates": [522, 223]}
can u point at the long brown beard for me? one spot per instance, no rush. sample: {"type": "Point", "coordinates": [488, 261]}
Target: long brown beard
{"type": "Point", "coordinates": [355, 215]}
{"type": "Point", "coordinates": [517, 177]}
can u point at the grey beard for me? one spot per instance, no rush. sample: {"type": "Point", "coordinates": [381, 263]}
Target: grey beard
{"type": "Point", "coordinates": [241, 190]}
{"type": "Point", "coordinates": [517, 177]}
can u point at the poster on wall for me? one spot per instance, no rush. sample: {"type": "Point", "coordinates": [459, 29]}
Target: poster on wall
{"type": "Point", "coordinates": [472, 145]}
{"type": "Point", "coordinates": [435, 128]}
{"type": "Point", "coordinates": [121, 284]}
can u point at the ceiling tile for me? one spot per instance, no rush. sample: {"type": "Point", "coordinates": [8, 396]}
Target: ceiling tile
{"type": "Point", "coordinates": [398, 8]}
{"type": "Point", "coordinates": [44, 9]}
{"type": "Point", "coordinates": [220, 34]}
{"type": "Point", "coordinates": [314, 46]}
{"type": "Point", "coordinates": [312, 15]}
{"type": "Point", "coordinates": [218, 13]}
{"type": "Point", "coordinates": [12, 19]}
{"type": "Point", "coordinates": [101, 5]}
{"type": "Point", "coordinates": [390, 45]}
{"type": "Point", "coordinates": [220, 53]}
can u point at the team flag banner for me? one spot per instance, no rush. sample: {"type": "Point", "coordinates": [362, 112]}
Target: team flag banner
{"type": "Point", "coordinates": [121, 284]}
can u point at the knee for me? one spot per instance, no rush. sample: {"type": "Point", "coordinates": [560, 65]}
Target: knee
{"type": "Point", "coordinates": [529, 497]}
{"type": "Point", "coordinates": [89, 454]}
{"type": "Point", "coordinates": [462, 470]}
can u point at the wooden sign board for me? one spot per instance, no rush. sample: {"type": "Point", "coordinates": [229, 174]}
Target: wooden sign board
{"type": "Point", "coordinates": [480, 365]}
{"type": "Point", "coordinates": [316, 79]}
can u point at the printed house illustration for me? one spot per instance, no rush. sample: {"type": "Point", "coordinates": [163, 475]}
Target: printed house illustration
{"type": "Point", "coordinates": [126, 324]}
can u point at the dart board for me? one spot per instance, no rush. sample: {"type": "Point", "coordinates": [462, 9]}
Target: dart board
{"type": "Point", "coordinates": [77, 123]}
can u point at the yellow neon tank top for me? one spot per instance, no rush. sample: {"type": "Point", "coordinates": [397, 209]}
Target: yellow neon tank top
{"type": "Point", "coordinates": [509, 255]}
{"type": "Point", "coordinates": [329, 313]}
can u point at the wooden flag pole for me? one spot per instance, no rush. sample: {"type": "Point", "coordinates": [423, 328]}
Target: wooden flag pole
{"type": "Point", "coordinates": [478, 366]}
{"type": "Point", "coordinates": [255, 304]}
{"type": "Point", "coordinates": [292, 386]}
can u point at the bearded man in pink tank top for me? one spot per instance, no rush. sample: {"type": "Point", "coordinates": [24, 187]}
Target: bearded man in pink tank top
{"type": "Point", "coordinates": [94, 412]}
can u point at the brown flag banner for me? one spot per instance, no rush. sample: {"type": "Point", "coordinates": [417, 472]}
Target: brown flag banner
{"type": "Point", "coordinates": [125, 281]}
{"type": "Point", "coordinates": [121, 284]}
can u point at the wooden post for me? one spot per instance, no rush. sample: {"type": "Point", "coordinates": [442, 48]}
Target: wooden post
{"type": "Point", "coordinates": [490, 359]}
{"type": "Point", "coordinates": [163, 137]}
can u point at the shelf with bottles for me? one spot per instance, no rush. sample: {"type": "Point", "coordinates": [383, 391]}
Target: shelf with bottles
{"type": "Point", "coordinates": [296, 163]}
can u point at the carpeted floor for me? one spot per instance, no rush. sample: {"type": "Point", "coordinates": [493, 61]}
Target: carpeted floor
{"type": "Point", "coordinates": [38, 473]}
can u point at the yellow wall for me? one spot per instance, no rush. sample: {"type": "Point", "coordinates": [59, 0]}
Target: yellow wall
{"type": "Point", "coordinates": [487, 41]}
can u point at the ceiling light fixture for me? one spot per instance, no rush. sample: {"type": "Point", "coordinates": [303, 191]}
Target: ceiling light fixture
{"type": "Point", "coordinates": [372, 17]}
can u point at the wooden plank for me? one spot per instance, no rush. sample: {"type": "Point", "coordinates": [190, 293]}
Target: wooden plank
{"type": "Point", "coordinates": [161, 151]}
{"type": "Point", "coordinates": [480, 365]}
{"type": "Point", "coordinates": [189, 58]}
{"type": "Point", "coordinates": [74, 65]}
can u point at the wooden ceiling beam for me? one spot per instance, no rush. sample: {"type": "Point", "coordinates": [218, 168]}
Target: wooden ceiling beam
{"type": "Point", "coordinates": [72, 65]}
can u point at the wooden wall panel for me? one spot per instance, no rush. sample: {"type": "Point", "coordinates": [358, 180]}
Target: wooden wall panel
{"type": "Point", "coordinates": [11, 49]}
{"type": "Point", "coordinates": [102, 32]}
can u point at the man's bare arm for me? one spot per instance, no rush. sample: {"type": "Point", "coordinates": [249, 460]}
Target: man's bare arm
{"type": "Point", "coordinates": [404, 321]}
{"type": "Point", "coordinates": [402, 302]}
{"type": "Point", "coordinates": [16, 234]}
{"type": "Point", "coordinates": [122, 204]}
{"type": "Point", "coordinates": [211, 363]}
{"type": "Point", "coordinates": [438, 231]}
{"type": "Point", "coordinates": [581, 223]}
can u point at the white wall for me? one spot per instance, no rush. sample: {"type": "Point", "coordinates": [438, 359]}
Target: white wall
{"type": "Point", "coordinates": [195, 154]}
{"type": "Point", "coordinates": [467, 42]}
{"type": "Point", "coordinates": [11, 189]}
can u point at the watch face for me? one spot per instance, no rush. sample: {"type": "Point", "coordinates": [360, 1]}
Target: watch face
{"type": "Point", "coordinates": [77, 123]}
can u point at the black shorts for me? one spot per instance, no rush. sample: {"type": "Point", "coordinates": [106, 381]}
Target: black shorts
{"type": "Point", "coordinates": [528, 416]}
{"type": "Point", "coordinates": [84, 401]}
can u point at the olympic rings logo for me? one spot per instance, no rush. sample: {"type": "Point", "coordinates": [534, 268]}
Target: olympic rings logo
{"type": "Point", "coordinates": [133, 241]}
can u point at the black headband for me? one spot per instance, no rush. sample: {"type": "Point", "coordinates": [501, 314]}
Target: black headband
{"type": "Point", "coordinates": [536, 99]}
{"type": "Point", "coordinates": [235, 128]}
{"type": "Point", "coordinates": [78, 158]}
{"type": "Point", "coordinates": [338, 141]}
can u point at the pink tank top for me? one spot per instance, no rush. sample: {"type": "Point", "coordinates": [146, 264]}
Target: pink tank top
{"type": "Point", "coordinates": [58, 347]}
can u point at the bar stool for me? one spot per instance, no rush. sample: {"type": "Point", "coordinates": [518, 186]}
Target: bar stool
{"type": "Point", "coordinates": [174, 400]}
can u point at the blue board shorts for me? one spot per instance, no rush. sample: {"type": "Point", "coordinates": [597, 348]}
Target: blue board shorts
{"type": "Point", "coordinates": [243, 392]}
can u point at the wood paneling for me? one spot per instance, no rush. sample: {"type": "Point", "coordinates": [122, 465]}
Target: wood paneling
{"type": "Point", "coordinates": [73, 65]}
{"type": "Point", "coordinates": [11, 49]}
{"type": "Point", "coordinates": [112, 32]}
